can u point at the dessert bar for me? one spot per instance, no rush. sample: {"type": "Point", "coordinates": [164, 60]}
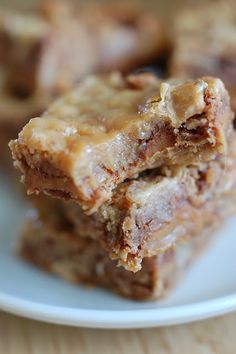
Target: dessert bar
{"type": "Point", "coordinates": [147, 215]}
{"type": "Point", "coordinates": [52, 47]}
{"type": "Point", "coordinates": [205, 42]}
{"type": "Point", "coordinates": [57, 249]}
{"type": "Point", "coordinates": [111, 128]}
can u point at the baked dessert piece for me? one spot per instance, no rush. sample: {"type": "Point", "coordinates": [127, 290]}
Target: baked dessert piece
{"type": "Point", "coordinates": [127, 35]}
{"type": "Point", "coordinates": [56, 248]}
{"type": "Point", "coordinates": [53, 47]}
{"type": "Point", "coordinates": [147, 215]}
{"type": "Point", "coordinates": [110, 128]}
{"type": "Point", "coordinates": [205, 42]}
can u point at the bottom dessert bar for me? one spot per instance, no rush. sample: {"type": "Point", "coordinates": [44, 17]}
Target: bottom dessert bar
{"type": "Point", "coordinates": [54, 247]}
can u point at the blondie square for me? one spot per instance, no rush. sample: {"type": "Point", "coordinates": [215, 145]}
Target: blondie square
{"type": "Point", "coordinates": [205, 42]}
{"type": "Point", "coordinates": [57, 249]}
{"type": "Point", "coordinates": [52, 47]}
{"type": "Point", "coordinates": [111, 128]}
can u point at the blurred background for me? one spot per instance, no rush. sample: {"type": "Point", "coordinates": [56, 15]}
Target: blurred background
{"type": "Point", "coordinates": [160, 5]}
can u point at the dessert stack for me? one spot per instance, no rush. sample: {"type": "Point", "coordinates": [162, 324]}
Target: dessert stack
{"type": "Point", "coordinates": [131, 176]}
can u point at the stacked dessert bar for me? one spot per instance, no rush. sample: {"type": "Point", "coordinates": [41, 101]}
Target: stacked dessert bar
{"type": "Point", "coordinates": [46, 50]}
{"type": "Point", "coordinates": [134, 175]}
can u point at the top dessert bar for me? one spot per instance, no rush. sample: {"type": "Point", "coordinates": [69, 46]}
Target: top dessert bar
{"type": "Point", "coordinates": [51, 48]}
{"type": "Point", "coordinates": [109, 129]}
{"type": "Point", "coordinates": [205, 42]}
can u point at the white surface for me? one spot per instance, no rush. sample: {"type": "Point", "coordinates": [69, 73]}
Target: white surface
{"type": "Point", "coordinates": [209, 288]}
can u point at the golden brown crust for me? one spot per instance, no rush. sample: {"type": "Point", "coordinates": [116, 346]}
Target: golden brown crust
{"type": "Point", "coordinates": [108, 129]}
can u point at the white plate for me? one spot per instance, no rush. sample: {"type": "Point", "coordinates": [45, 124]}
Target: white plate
{"type": "Point", "coordinates": [209, 288]}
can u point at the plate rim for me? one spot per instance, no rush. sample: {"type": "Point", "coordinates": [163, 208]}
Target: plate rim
{"type": "Point", "coordinates": [118, 319]}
